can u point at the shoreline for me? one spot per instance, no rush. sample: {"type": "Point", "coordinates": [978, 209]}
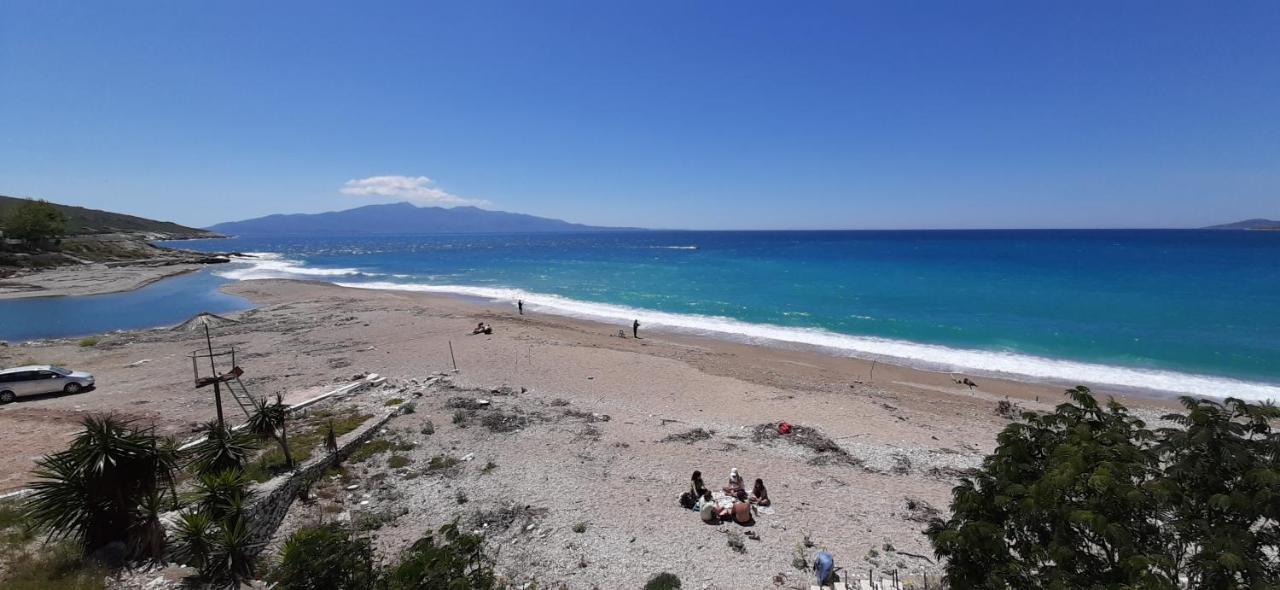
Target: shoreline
{"type": "Point", "coordinates": [88, 280]}
{"type": "Point", "coordinates": [909, 434]}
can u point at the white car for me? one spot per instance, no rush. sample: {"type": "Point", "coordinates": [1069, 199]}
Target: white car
{"type": "Point", "coordinates": [38, 379]}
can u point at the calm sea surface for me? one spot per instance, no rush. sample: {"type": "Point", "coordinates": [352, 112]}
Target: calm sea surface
{"type": "Point", "coordinates": [1186, 311]}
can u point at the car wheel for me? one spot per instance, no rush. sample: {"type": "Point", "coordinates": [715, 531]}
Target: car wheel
{"type": "Point", "coordinates": [6, 397]}
{"type": "Point", "coordinates": [72, 388]}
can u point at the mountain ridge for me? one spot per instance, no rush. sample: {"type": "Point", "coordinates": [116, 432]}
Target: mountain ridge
{"type": "Point", "coordinates": [83, 221]}
{"type": "Point", "coordinates": [401, 219]}
{"type": "Point", "coordinates": [1249, 224]}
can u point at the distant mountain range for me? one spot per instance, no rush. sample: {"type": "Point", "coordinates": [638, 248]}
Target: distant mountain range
{"type": "Point", "coordinates": [1262, 224]}
{"type": "Point", "coordinates": [401, 219]}
{"type": "Point", "coordinates": [82, 221]}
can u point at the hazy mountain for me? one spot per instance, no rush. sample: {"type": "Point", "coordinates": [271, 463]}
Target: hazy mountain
{"type": "Point", "coordinates": [400, 219]}
{"type": "Point", "coordinates": [1249, 224]}
{"type": "Point", "coordinates": [82, 221]}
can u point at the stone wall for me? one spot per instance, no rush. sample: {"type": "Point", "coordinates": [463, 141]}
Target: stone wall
{"type": "Point", "coordinates": [272, 499]}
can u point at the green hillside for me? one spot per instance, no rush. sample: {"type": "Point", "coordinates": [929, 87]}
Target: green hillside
{"type": "Point", "coordinates": [82, 221]}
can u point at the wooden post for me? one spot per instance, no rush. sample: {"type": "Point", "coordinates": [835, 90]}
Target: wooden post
{"type": "Point", "coordinates": [451, 357]}
{"type": "Point", "coordinates": [873, 371]}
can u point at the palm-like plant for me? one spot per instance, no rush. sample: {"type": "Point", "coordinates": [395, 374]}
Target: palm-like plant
{"type": "Point", "coordinates": [268, 421]}
{"type": "Point", "coordinates": [221, 449]}
{"type": "Point", "coordinates": [194, 538]}
{"type": "Point", "coordinates": [105, 488]}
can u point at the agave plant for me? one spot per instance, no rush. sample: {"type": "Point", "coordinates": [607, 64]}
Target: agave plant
{"type": "Point", "coordinates": [221, 495]}
{"type": "Point", "coordinates": [194, 539]}
{"type": "Point", "coordinates": [232, 559]}
{"type": "Point", "coordinates": [268, 421]}
{"type": "Point", "coordinates": [221, 449]}
{"type": "Point", "coordinates": [106, 488]}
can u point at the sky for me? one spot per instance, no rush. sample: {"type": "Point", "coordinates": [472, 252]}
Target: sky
{"type": "Point", "coordinates": [664, 114]}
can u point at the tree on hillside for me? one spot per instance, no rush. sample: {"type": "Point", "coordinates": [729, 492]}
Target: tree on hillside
{"type": "Point", "coordinates": [1088, 497]}
{"type": "Point", "coordinates": [34, 221]}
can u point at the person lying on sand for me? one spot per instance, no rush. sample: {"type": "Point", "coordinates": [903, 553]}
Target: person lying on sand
{"type": "Point", "coordinates": [759, 495]}
{"type": "Point", "coordinates": [482, 328]}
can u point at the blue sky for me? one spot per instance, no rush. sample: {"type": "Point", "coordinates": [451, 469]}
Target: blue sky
{"type": "Point", "coordinates": [661, 114]}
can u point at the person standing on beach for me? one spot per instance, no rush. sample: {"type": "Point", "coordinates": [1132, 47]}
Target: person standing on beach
{"type": "Point", "coordinates": [635, 329]}
{"type": "Point", "coordinates": [520, 304]}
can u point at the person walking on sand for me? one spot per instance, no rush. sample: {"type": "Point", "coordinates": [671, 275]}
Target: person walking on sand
{"type": "Point", "coordinates": [635, 329]}
{"type": "Point", "coordinates": [520, 304]}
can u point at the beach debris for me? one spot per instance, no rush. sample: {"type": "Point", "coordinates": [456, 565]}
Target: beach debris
{"type": "Point", "coordinates": [1008, 410]}
{"type": "Point", "coordinates": [919, 510]}
{"type": "Point", "coordinates": [202, 320]}
{"type": "Point", "coordinates": [137, 363]}
{"type": "Point", "coordinates": [826, 451]}
{"type": "Point", "coordinates": [691, 436]}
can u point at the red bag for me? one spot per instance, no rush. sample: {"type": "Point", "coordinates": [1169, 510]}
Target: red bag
{"type": "Point", "coordinates": [784, 428]}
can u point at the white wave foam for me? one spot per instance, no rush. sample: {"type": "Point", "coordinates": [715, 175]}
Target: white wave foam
{"type": "Point", "coordinates": [927, 356]}
{"type": "Point", "coordinates": [676, 247]}
{"type": "Point", "coordinates": [269, 265]}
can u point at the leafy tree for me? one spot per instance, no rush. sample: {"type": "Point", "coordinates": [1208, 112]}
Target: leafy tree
{"type": "Point", "coordinates": [34, 221]}
{"type": "Point", "coordinates": [1087, 497]}
{"type": "Point", "coordinates": [1220, 490]}
{"type": "Point", "coordinates": [326, 557]}
{"type": "Point", "coordinates": [105, 491]}
{"type": "Point", "coordinates": [222, 449]}
{"type": "Point", "coordinates": [268, 421]}
{"type": "Point", "coordinates": [1059, 504]}
{"type": "Point", "coordinates": [457, 563]}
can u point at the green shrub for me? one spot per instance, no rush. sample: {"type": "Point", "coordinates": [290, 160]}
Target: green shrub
{"type": "Point", "coordinates": [398, 461]}
{"type": "Point", "coordinates": [395, 401]}
{"type": "Point", "coordinates": [88, 341]}
{"type": "Point", "coordinates": [449, 559]}
{"type": "Point", "coordinates": [53, 567]}
{"type": "Point", "coordinates": [325, 557]}
{"type": "Point", "coordinates": [663, 581]}
{"type": "Point", "coordinates": [581, 527]}
{"type": "Point", "coordinates": [460, 418]}
{"type": "Point", "coordinates": [440, 462]}
{"type": "Point", "coordinates": [429, 428]}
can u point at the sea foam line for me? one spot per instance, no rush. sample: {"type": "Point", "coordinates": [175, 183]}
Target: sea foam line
{"type": "Point", "coordinates": [925, 356]}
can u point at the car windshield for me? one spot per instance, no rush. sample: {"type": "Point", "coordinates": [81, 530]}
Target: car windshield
{"type": "Point", "coordinates": [60, 371]}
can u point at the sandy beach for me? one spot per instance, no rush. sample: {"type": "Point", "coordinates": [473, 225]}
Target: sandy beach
{"type": "Point", "coordinates": [908, 434]}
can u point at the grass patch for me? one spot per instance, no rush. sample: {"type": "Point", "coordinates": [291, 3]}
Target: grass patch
{"type": "Point", "coordinates": [488, 467]}
{"type": "Point", "coordinates": [305, 436]}
{"type": "Point", "coordinates": [460, 418]}
{"type": "Point", "coordinates": [663, 581]}
{"type": "Point", "coordinates": [580, 527]}
{"type": "Point", "coordinates": [501, 422]}
{"type": "Point", "coordinates": [441, 462]}
{"type": "Point", "coordinates": [429, 428]}
{"type": "Point", "coordinates": [376, 446]}
{"type": "Point", "coordinates": [55, 567]}
{"type": "Point", "coordinates": [395, 401]}
{"type": "Point", "coordinates": [736, 543]}
{"type": "Point", "coordinates": [461, 498]}
{"type": "Point", "coordinates": [88, 342]}
{"type": "Point", "coordinates": [398, 461]}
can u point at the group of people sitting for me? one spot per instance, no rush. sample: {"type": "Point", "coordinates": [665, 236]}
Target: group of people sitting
{"type": "Point", "coordinates": [736, 504]}
{"type": "Point", "coordinates": [483, 328]}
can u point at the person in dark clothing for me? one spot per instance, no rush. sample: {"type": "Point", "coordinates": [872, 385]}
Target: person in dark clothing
{"type": "Point", "coordinates": [635, 329]}
{"type": "Point", "coordinates": [520, 304]}
{"type": "Point", "coordinates": [759, 495]}
{"type": "Point", "coordinates": [696, 486]}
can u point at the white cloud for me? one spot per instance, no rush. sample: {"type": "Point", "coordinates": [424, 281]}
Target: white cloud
{"type": "Point", "coordinates": [417, 189]}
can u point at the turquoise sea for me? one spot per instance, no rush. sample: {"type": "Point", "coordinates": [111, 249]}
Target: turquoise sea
{"type": "Point", "coordinates": [1177, 311]}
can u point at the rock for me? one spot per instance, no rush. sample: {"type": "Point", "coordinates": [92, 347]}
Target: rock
{"type": "Point", "coordinates": [469, 456]}
{"type": "Point", "coordinates": [354, 486]}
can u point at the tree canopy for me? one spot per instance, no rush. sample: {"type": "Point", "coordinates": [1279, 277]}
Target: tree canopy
{"type": "Point", "coordinates": [1088, 497]}
{"type": "Point", "coordinates": [34, 221]}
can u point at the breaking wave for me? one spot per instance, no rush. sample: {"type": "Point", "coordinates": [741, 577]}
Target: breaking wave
{"type": "Point", "coordinates": [923, 356]}
{"type": "Point", "coordinates": [269, 265]}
